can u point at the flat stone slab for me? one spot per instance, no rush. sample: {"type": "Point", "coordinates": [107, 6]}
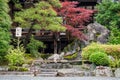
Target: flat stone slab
{"type": "Point", "coordinates": [17, 77]}
{"type": "Point", "coordinates": [15, 73]}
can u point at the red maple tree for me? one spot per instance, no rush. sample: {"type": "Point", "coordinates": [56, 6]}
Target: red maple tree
{"type": "Point", "coordinates": [74, 18]}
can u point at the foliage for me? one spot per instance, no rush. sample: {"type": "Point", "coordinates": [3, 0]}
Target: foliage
{"type": "Point", "coordinates": [28, 59]}
{"type": "Point", "coordinates": [71, 56]}
{"type": "Point", "coordinates": [16, 68]}
{"type": "Point", "coordinates": [44, 17]}
{"type": "Point", "coordinates": [113, 50]}
{"type": "Point", "coordinates": [15, 57]}
{"type": "Point", "coordinates": [12, 68]}
{"type": "Point", "coordinates": [34, 46]}
{"type": "Point", "coordinates": [5, 21]}
{"type": "Point", "coordinates": [44, 56]}
{"type": "Point", "coordinates": [115, 63]}
{"type": "Point", "coordinates": [55, 3]}
{"type": "Point", "coordinates": [74, 18]}
{"type": "Point", "coordinates": [71, 46]}
{"type": "Point", "coordinates": [109, 16]}
{"type": "Point", "coordinates": [108, 12]}
{"type": "Point", "coordinates": [4, 43]}
{"type": "Point", "coordinates": [5, 24]}
{"type": "Point", "coordinates": [22, 69]}
{"type": "Point", "coordinates": [99, 58]}
{"type": "Point", "coordinates": [90, 49]}
{"type": "Point", "coordinates": [114, 35]}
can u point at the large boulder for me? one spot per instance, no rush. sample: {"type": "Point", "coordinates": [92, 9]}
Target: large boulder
{"type": "Point", "coordinates": [103, 71]}
{"type": "Point", "coordinates": [97, 32]}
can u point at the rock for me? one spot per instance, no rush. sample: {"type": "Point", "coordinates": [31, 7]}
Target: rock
{"type": "Point", "coordinates": [54, 56]}
{"type": "Point", "coordinates": [111, 58]}
{"type": "Point", "coordinates": [117, 72]}
{"type": "Point", "coordinates": [61, 55]}
{"type": "Point", "coordinates": [68, 53]}
{"type": "Point", "coordinates": [86, 66]}
{"type": "Point", "coordinates": [70, 72]}
{"type": "Point", "coordinates": [57, 56]}
{"type": "Point", "coordinates": [103, 71]}
{"type": "Point", "coordinates": [3, 68]}
{"type": "Point", "coordinates": [26, 65]}
{"type": "Point", "coordinates": [59, 74]}
{"type": "Point", "coordinates": [98, 33]}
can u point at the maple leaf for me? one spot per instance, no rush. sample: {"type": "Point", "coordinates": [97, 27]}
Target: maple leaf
{"type": "Point", "coordinates": [75, 18]}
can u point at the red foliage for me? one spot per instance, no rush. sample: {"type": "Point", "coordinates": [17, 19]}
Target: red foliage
{"type": "Point", "coordinates": [74, 18]}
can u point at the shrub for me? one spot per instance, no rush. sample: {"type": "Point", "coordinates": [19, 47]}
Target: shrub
{"type": "Point", "coordinates": [28, 59]}
{"type": "Point", "coordinates": [87, 51]}
{"type": "Point", "coordinates": [34, 46]}
{"type": "Point", "coordinates": [115, 63]}
{"type": "Point", "coordinates": [22, 69]}
{"type": "Point", "coordinates": [70, 57]}
{"type": "Point", "coordinates": [12, 68]}
{"type": "Point", "coordinates": [99, 58]}
{"type": "Point", "coordinates": [16, 68]}
{"type": "Point", "coordinates": [113, 50]}
{"type": "Point", "coordinates": [15, 57]}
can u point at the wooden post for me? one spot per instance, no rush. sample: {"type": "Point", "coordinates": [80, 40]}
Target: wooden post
{"type": "Point", "coordinates": [55, 43]}
{"type": "Point", "coordinates": [59, 47]}
{"type": "Point", "coordinates": [55, 46]}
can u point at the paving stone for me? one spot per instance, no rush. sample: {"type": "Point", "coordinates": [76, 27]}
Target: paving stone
{"type": "Point", "coordinates": [26, 77]}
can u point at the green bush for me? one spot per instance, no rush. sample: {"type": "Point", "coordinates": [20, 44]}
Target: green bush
{"type": "Point", "coordinates": [70, 57]}
{"type": "Point", "coordinates": [16, 68]}
{"type": "Point", "coordinates": [90, 49]}
{"type": "Point", "coordinates": [99, 58]}
{"type": "Point", "coordinates": [22, 69]}
{"type": "Point", "coordinates": [28, 59]}
{"type": "Point", "coordinates": [15, 57]}
{"type": "Point", "coordinates": [115, 63]}
{"type": "Point", "coordinates": [34, 46]}
{"type": "Point", "coordinates": [113, 50]}
{"type": "Point", "coordinates": [12, 68]}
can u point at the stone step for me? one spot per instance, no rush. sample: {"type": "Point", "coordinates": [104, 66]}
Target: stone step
{"type": "Point", "coordinates": [15, 73]}
{"type": "Point", "coordinates": [47, 74]}
{"type": "Point", "coordinates": [48, 70]}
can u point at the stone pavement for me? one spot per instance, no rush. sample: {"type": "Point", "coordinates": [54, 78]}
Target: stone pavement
{"type": "Point", "coordinates": [28, 77]}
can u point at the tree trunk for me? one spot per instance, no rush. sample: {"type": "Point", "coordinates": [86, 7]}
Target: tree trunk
{"type": "Point", "coordinates": [28, 36]}
{"type": "Point", "coordinates": [59, 47]}
{"type": "Point", "coordinates": [55, 46]}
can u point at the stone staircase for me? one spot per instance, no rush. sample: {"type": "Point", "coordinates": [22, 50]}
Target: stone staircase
{"type": "Point", "coordinates": [47, 73]}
